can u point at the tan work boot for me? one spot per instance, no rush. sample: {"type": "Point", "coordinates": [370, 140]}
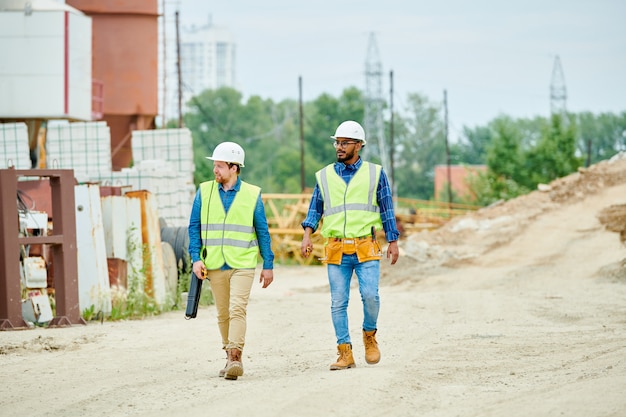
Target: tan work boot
{"type": "Point", "coordinates": [345, 359]}
{"type": "Point", "coordinates": [372, 354]}
{"type": "Point", "coordinates": [223, 370]}
{"type": "Point", "coordinates": [234, 367]}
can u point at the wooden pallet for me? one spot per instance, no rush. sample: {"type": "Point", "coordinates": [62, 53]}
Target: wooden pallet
{"type": "Point", "coordinates": [285, 213]}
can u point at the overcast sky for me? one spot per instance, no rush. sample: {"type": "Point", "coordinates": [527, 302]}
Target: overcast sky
{"type": "Point", "coordinates": [491, 56]}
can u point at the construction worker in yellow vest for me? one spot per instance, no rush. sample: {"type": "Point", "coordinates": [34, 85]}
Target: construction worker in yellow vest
{"type": "Point", "coordinates": [355, 200]}
{"type": "Point", "coordinates": [227, 230]}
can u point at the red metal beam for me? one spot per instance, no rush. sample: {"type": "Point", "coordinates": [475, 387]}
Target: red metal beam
{"type": "Point", "coordinates": [62, 242]}
{"type": "Point", "coordinates": [10, 291]}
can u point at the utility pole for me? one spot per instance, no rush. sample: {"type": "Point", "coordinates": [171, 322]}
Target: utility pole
{"type": "Point", "coordinates": [180, 81]}
{"type": "Point", "coordinates": [163, 115]}
{"type": "Point", "coordinates": [445, 130]}
{"type": "Point", "coordinates": [391, 148]}
{"type": "Point", "coordinates": [301, 137]}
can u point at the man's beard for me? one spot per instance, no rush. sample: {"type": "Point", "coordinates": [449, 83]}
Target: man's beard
{"type": "Point", "coordinates": [347, 156]}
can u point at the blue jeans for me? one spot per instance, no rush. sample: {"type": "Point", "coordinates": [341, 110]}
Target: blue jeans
{"type": "Point", "coordinates": [339, 276]}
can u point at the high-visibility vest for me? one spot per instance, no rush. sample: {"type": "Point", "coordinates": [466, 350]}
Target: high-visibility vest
{"type": "Point", "coordinates": [350, 210]}
{"type": "Point", "coordinates": [229, 237]}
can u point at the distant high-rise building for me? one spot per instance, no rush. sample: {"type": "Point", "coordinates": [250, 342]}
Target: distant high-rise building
{"type": "Point", "coordinates": [207, 61]}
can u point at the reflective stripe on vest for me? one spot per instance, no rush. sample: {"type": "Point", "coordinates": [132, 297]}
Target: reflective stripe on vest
{"type": "Point", "coordinates": [229, 237]}
{"type": "Point", "coordinates": [350, 210]}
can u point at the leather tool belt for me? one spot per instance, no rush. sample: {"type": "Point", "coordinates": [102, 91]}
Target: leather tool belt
{"type": "Point", "coordinates": [366, 249]}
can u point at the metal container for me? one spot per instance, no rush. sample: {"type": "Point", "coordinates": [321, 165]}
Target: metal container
{"type": "Point", "coordinates": [45, 50]}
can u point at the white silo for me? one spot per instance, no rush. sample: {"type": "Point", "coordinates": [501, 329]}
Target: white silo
{"type": "Point", "coordinates": [45, 61]}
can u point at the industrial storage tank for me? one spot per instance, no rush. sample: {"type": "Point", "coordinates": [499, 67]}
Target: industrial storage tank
{"type": "Point", "coordinates": [45, 61]}
{"type": "Point", "coordinates": [125, 60]}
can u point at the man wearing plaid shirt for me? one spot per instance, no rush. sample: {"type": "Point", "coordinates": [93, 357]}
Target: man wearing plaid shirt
{"type": "Point", "coordinates": [354, 198]}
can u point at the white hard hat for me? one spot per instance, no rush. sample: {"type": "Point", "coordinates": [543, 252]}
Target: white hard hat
{"type": "Point", "coordinates": [350, 129]}
{"type": "Point", "coordinates": [228, 152]}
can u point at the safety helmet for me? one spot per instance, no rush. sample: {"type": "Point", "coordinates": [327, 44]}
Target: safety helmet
{"type": "Point", "coordinates": [350, 129]}
{"type": "Point", "coordinates": [228, 152]}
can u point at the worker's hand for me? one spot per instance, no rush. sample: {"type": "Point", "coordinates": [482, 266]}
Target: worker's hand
{"type": "Point", "coordinates": [307, 247]}
{"type": "Point", "coordinates": [393, 252]}
{"type": "Point", "coordinates": [198, 267]}
{"type": "Point", "coordinates": [266, 278]}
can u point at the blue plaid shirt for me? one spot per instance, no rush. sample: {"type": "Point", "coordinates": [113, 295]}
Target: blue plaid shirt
{"type": "Point", "coordinates": [259, 223]}
{"type": "Point", "coordinates": [383, 198]}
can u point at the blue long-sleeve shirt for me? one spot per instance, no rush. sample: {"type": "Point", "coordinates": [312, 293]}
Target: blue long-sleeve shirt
{"type": "Point", "coordinates": [383, 198]}
{"type": "Point", "coordinates": [259, 223]}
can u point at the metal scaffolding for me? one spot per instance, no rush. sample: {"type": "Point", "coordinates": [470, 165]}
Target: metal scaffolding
{"type": "Point", "coordinates": [558, 91]}
{"type": "Point", "coordinates": [374, 103]}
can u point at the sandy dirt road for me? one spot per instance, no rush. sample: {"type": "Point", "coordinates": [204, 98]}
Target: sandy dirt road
{"type": "Point", "coordinates": [526, 318]}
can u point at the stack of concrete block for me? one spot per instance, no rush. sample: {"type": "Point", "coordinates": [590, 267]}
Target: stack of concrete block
{"type": "Point", "coordinates": [83, 147]}
{"type": "Point", "coordinates": [172, 145]}
{"type": "Point", "coordinates": [174, 196]}
{"type": "Point", "coordinates": [14, 148]}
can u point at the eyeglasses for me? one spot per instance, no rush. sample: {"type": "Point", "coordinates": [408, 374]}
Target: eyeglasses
{"type": "Point", "coordinates": [344, 143]}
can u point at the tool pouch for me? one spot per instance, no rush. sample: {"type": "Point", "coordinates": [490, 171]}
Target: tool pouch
{"type": "Point", "coordinates": [333, 251]}
{"type": "Point", "coordinates": [368, 250]}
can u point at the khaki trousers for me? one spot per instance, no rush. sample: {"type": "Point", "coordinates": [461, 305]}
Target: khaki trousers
{"type": "Point", "coordinates": [231, 292]}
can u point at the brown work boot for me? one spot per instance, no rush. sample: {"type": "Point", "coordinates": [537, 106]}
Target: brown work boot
{"type": "Point", "coordinates": [234, 367]}
{"type": "Point", "coordinates": [345, 359]}
{"type": "Point", "coordinates": [372, 354]}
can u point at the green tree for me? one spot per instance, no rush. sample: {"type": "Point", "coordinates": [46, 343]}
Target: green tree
{"type": "Point", "coordinates": [504, 163]}
{"type": "Point", "coordinates": [420, 146]}
{"type": "Point", "coordinates": [213, 118]}
{"type": "Point", "coordinates": [322, 116]}
{"type": "Point", "coordinates": [259, 125]}
{"type": "Point", "coordinates": [601, 136]}
{"type": "Point", "coordinates": [503, 154]}
{"type": "Point", "coordinates": [489, 188]}
{"type": "Point", "coordinates": [519, 152]}
{"type": "Point", "coordinates": [555, 154]}
{"type": "Point", "coordinates": [472, 146]}
{"type": "Point", "coordinates": [274, 152]}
